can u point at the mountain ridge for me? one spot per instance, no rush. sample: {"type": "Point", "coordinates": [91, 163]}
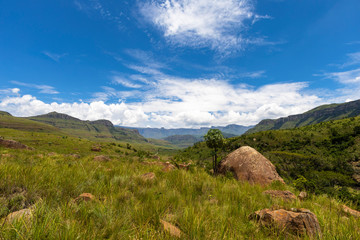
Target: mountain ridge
{"type": "Point", "coordinates": [323, 113]}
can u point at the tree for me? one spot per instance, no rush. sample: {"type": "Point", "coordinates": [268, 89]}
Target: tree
{"type": "Point", "coordinates": [215, 140]}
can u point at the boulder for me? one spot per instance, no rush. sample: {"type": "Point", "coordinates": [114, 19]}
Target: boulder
{"type": "Point", "coordinates": [247, 164]}
{"type": "Point", "coordinates": [13, 144]}
{"type": "Point", "coordinates": [102, 158]}
{"type": "Point", "coordinates": [171, 229]}
{"type": "Point", "coordinates": [286, 195]}
{"type": "Point", "coordinates": [297, 221]}
{"type": "Point", "coordinates": [350, 211]}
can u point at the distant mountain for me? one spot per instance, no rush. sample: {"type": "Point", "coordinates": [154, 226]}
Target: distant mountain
{"type": "Point", "coordinates": [183, 140]}
{"type": "Point", "coordinates": [162, 133]}
{"type": "Point", "coordinates": [100, 129]}
{"type": "Point", "coordinates": [319, 114]}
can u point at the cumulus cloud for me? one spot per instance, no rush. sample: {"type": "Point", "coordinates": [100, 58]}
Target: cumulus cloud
{"type": "Point", "coordinates": [178, 102]}
{"type": "Point", "coordinates": [202, 23]}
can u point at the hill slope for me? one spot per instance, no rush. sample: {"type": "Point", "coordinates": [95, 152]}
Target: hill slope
{"type": "Point", "coordinates": [9, 121]}
{"type": "Point", "coordinates": [161, 133]}
{"type": "Point", "coordinates": [319, 114]}
{"type": "Point", "coordinates": [100, 129]}
{"type": "Point", "coordinates": [322, 158]}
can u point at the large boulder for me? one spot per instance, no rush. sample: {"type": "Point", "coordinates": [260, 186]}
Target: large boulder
{"type": "Point", "coordinates": [297, 221]}
{"type": "Point", "coordinates": [247, 164]}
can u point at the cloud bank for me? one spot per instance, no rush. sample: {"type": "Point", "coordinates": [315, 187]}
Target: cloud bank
{"type": "Point", "coordinates": [176, 102]}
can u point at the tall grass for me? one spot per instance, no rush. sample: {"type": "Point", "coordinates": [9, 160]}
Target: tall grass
{"type": "Point", "coordinates": [129, 207]}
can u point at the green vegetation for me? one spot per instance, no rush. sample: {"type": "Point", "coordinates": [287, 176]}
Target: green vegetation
{"type": "Point", "coordinates": [49, 178]}
{"type": "Point", "coordinates": [129, 207]}
{"type": "Point", "coordinates": [319, 114]}
{"type": "Point", "coordinates": [214, 140]}
{"type": "Point", "coordinates": [319, 157]}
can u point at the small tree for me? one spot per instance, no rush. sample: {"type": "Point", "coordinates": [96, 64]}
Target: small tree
{"type": "Point", "coordinates": [215, 140]}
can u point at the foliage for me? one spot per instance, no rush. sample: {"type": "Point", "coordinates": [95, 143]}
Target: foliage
{"type": "Point", "coordinates": [215, 140]}
{"type": "Point", "coordinates": [323, 154]}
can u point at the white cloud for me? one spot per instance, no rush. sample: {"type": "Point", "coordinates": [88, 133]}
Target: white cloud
{"type": "Point", "coordinates": [202, 23]}
{"type": "Point", "coordinates": [126, 83]}
{"type": "Point", "coordinates": [178, 102]}
{"type": "Point", "coordinates": [54, 56]}
{"type": "Point", "coordinates": [119, 113]}
{"type": "Point", "coordinates": [10, 91]}
{"type": "Point", "coordinates": [346, 77]}
{"type": "Point", "coordinates": [43, 88]}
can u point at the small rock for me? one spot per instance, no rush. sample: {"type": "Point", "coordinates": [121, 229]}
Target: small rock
{"type": "Point", "coordinates": [302, 195]}
{"type": "Point", "coordinates": [86, 197]}
{"type": "Point", "coordinates": [148, 176]}
{"type": "Point", "coordinates": [102, 158]}
{"type": "Point", "coordinates": [286, 195]}
{"type": "Point", "coordinates": [168, 227]}
{"type": "Point", "coordinates": [168, 167]}
{"type": "Point", "coordinates": [350, 211]}
{"type": "Point", "coordinates": [185, 166]}
{"type": "Point", "coordinates": [96, 148]}
{"type": "Point", "coordinates": [6, 155]}
{"type": "Point", "coordinates": [25, 214]}
{"type": "Point", "coordinates": [299, 222]}
{"type": "Point", "coordinates": [76, 156]}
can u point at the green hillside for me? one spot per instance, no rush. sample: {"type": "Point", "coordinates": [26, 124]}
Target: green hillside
{"type": "Point", "coordinates": [102, 130]}
{"type": "Point", "coordinates": [321, 158]}
{"type": "Point", "coordinates": [8, 121]}
{"type": "Point", "coordinates": [319, 114]}
{"type": "Point", "coordinates": [48, 180]}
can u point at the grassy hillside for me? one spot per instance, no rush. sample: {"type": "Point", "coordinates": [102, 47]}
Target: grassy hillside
{"type": "Point", "coordinates": [162, 133]}
{"type": "Point", "coordinates": [319, 114]}
{"type": "Point", "coordinates": [100, 129]}
{"type": "Point", "coordinates": [8, 121]}
{"type": "Point", "coordinates": [321, 158]}
{"type": "Point", "coordinates": [126, 206]}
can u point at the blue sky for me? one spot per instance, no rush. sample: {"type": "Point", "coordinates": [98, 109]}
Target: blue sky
{"type": "Point", "coordinates": [177, 63]}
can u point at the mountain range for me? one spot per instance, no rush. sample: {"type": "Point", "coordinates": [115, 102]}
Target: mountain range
{"type": "Point", "coordinates": [319, 114]}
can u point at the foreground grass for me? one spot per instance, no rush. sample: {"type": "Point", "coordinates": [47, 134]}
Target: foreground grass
{"type": "Point", "coordinates": [128, 207]}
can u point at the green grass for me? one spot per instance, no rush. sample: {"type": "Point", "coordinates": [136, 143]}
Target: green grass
{"type": "Point", "coordinates": [127, 207]}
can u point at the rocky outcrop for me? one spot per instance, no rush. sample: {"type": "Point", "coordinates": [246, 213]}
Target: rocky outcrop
{"type": "Point", "coordinates": [13, 144]}
{"type": "Point", "coordinates": [297, 221]}
{"type": "Point", "coordinates": [286, 195]}
{"type": "Point", "coordinates": [247, 164]}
